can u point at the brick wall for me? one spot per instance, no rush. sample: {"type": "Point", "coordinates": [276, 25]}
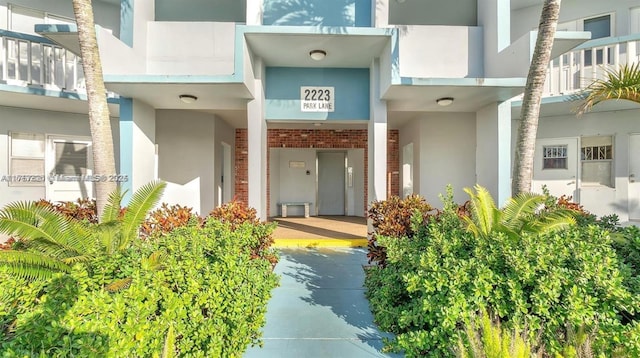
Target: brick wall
{"type": "Point", "coordinates": [315, 138]}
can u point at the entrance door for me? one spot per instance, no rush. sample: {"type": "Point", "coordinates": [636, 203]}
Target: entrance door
{"type": "Point", "coordinates": [556, 167]}
{"type": "Point", "coordinates": [331, 183]}
{"type": "Point", "coordinates": [634, 177]}
{"type": "Point", "coordinates": [69, 166]}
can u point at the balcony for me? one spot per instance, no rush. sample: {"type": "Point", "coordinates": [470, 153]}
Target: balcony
{"type": "Point", "coordinates": [27, 60]}
{"type": "Point", "coordinates": [575, 70]}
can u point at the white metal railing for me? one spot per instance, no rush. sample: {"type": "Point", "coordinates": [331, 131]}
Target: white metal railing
{"type": "Point", "coordinates": [575, 70]}
{"type": "Point", "coordinates": [35, 61]}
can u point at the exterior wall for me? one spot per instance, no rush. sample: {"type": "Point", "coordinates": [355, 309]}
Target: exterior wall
{"type": "Point", "coordinates": [619, 124]}
{"type": "Point", "coordinates": [453, 13]}
{"type": "Point", "coordinates": [224, 134]}
{"type": "Point", "coordinates": [348, 140]}
{"type": "Point", "coordinates": [441, 51]}
{"type": "Point", "coordinates": [38, 121]}
{"type": "Point", "coordinates": [410, 133]}
{"type": "Point", "coordinates": [444, 153]}
{"type": "Point", "coordinates": [186, 157]}
{"type": "Point", "coordinates": [353, 13]}
{"type": "Point", "coordinates": [200, 10]}
{"type": "Point", "coordinates": [175, 48]}
{"type": "Point", "coordinates": [282, 92]}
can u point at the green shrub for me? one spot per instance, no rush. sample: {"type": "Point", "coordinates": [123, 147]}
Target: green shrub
{"type": "Point", "coordinates": [545, 282]}
{"type": "Point", "coordinates": [392, 218]}
{"type": "Point", "coordinates": [206, 294]}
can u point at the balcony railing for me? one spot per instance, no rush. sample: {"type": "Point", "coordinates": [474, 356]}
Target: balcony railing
{"type": "Point", "coordinates": [29, 60]}
{"type": "Point", "coordinates": [577, 69]}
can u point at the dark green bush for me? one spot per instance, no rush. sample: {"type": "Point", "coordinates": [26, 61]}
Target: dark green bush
{"type": "Point", "coordinates": [544, 283]}
{"type": "Point", "coordinates": [200, 282]}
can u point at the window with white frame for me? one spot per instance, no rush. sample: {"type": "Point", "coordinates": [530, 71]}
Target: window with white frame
{"type": "Point", "coordinates": [23, 19]}
{"type": "Point", "coordinates": [554, 157]}
{"type": "Point", "coordinates": [26, 158]}
{"type": "Point", "coordinates": [599, 27]}
{"type": "Point", "coordinates": [596, 159]}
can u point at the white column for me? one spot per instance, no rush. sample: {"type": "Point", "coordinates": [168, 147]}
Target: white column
{"type": "Point", "coordinates": [381, 13]}
{"type": "Point", "coordinates": [377, 138]}
{"type": "Point", "coordinates": [494, 16]}
{"type": "Point", "coordinates": [493, 150]}
{"type": "Point", "coordinates": [257, 143]}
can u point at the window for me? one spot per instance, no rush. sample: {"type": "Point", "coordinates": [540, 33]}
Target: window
{"type": "Point", "coordinates": [599, 27]}
{"type": "Point", "coordinates": [596, 158]}
{"type": "Point", "coordinates": [71, 158]}
{"type": "Point", "coordinates": [26, 158]}
{"type": "Point", "coordinates": [554, 157]}
{"type": "Point", "coordinates": [23, 19]}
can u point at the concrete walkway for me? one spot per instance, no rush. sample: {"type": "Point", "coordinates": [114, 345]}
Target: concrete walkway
{"type": "Point", "coordinates": [320, 310]}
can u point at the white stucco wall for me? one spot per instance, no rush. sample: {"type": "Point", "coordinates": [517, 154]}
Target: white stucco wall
{"type": "Point", "coordinates": [193, 48]}
{"type": "Point", "coordinates": [144, 138]}
{"type": "Point", "coordinates": [38, 121]}
{"type": "Point", "coordinates": [619, 124]}
{"type": "Point", "coordinates": [444, 153]}
{"type": "Point", "coordinates": [441, 51]}
{"type": "Point", "coordinates": [186, 157]}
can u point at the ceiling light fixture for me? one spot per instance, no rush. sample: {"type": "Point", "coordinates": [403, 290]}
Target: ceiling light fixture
{"type": "Point", "coordinates": [444, 101]}
{"type": "Point", "coordinates": [188, 98]}
{"type": "Point", "coordinates": [318, 55]}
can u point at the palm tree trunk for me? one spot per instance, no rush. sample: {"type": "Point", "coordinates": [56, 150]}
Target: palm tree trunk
{"type": "Point", "coordinates": [528, 128]}
{"type": "Point", "coordinates": [101, 136]}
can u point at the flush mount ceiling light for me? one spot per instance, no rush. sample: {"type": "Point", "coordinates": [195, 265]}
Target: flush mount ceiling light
{"type": "Point", "coordinates": [318, 55]}
{"type": "Point", "coordinates": [444, 101]}
{"type": "Point", "coordinates": [188, 98]}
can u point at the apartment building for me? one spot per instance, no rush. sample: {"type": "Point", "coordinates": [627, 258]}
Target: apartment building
{"type": "Point", "coordinates": [326, 102]}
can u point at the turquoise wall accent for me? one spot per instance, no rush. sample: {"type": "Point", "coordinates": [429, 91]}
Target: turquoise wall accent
{"type": "Point", "coordinates": [323, 13]}
{"type": "Point", "coordinates": [201, 10]}
{"type": "Point", "coordinates": [282, 93]}
{"type": "Point", "coordinates": [126, 142]}
{"type": "Point", "coordinates": [126, 22]}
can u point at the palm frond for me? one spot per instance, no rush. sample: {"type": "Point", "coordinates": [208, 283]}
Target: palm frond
{"type": "Point", "coordinates": [623, 83]}
{"type": "Point", "coordinates": [484, 212]}
{"type": "Point", "coordinates": [553, 221]}
{"type": "Point", "coordinates": [112, 209]}
{"type": "Point", "coordinates": [519, 208]}
{"type": "Point", "coordinates": [31, 222]}
{"type": "Point", "coordinates": [142, 201]}
{"type": "Point", "coordinates": [31, 265]}
{"type": "Point", "coordinates": [169, 350]}
{"type": "Point", "coordinates": [119, 284]}
{"type": "Point", "coordinates": [154, 262]}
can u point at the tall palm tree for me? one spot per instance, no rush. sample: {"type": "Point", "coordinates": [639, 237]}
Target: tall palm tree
{"type": "Point", "coordinates": [99, 122]}
{"type": "Point", "coordinates": [528, 128]}
{"type": "Point", "coordinates": [623, 83]}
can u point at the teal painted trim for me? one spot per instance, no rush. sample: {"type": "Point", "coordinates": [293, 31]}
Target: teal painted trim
{"type": "Point", "coordinates": [607, 41]}
{"type": "Point", "coordinates": [503, 26]}
{"type": "Point", "coordinates": [364, 11]}
{"type": "Point", "coordinates": [317, 30]}
{"type": "Point", "coordinates": [463, 82]}
{"type": "Point", "coordinates": [172, 79]}
{"type": "Point", "coordinates": [26, 37]}
{"type": "Point", "coordinates": [126, 142]}
{"type": "Point", "coordinates": [126, 21]}
{"type": "Point", "coordinates": [282, 92]}
{"type": "Point", "coordinates": [45, 28]}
